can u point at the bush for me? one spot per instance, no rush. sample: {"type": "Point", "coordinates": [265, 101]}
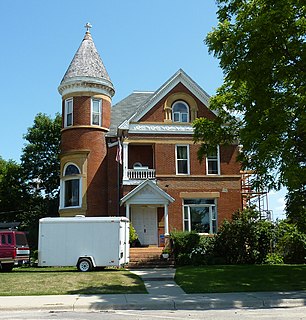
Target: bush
{"type": "Point", "coordinates": [204, 253]}
{"type": "Point", "coordinates": [245, 239]}
{"type": "Point", "coordinates": [274, 258]}
{"type": "Point", "coordinates": [189, 248]}
{"type": "Point", "coordinates": [182, 243]}
{"type": "Point", "coordinates": [133, 235]}
{"type": "Point", "coordinates": [291, 243]}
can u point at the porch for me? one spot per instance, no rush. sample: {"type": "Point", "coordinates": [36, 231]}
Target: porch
{"type": "Point", "coordinates": [138, 163]}
{"type": "Point", "coordinates": [146, 206]}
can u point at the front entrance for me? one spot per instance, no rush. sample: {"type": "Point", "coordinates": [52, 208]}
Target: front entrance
{"type": "Point", "coordinates": [144, 220]}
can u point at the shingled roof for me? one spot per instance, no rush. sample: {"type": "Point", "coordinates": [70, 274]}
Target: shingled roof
{"type": "Point", "coordinates": [86, 62]}
{"type": "Point", "coordinates": [126, 108]}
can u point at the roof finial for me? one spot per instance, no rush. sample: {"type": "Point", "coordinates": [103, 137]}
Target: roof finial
{"type": "Point", "coordinates": [88, 26]}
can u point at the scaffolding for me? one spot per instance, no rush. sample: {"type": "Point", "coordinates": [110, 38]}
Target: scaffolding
{"type": "Point", "coordinates": [257, 199]}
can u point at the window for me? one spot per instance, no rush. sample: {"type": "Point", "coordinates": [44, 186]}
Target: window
{"type": "Point", "coordinates": [71, 184]}
{"type": "Point", "coordinates": [96, 112]}
{"type": "Point", "coordinates": [180, 112]}
{"type": "Point", "coordinates": [213, 162]}
{"type": "Point", "coordinates": [200, 215]}
{"type": "Point", "coordinates": [182, 159]}
{"type": "Point", "coordinates": [68, 121]}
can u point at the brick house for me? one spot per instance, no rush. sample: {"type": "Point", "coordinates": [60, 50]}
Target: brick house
{"type": "Point", "coordinates": [137, 158]}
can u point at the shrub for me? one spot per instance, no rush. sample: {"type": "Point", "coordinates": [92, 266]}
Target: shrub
{"type": "Point", "coordinates": [204, 253]}
{"type": "Point", "coordinates": [133, 235]}
{"type": "Point", "coordinates": [183, 242]}
{"type": "Point", "coordinates": [291, 243]}
{"type": "Point", "coordinates": [274, 258]}
{"type": "Point", "coordinates": [189, 248]}
{"type": "Point", "coordinates": [245, 239]}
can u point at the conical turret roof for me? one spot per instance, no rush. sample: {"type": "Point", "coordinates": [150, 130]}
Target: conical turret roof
{"type": "Point", "coordinates": [87, 67]}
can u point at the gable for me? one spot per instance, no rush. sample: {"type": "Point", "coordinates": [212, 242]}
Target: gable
{"type": "Point", "coordinates": [147, 193]}
{"type": "Point", "coordinates": [151, 112]}
{"type": "Point", "coordinates": [180, 92]}
{"type": "Point", "coordinates": [179, 78]}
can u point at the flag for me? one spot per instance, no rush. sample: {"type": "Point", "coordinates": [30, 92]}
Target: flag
{"type": "Point", "coordinates": [119, 152]}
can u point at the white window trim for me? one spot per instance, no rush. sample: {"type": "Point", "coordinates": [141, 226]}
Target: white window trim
{"type": "Point", "coordinates": [66, 113]}
{"type": "Point", "coordinates": [92, 112]}
{"type": "Point", "coordinates": [218, 164]}
{"type": "Point", "coordinates": [188, 160]}
{"type": "Point", "coordinates": [62, 187]}
{"type": "Point", "coordinates": [180, 113]}
{"type": "Point", "coordinates": [210, 206]}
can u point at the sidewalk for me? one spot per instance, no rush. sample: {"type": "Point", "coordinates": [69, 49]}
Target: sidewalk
{"type": "Point", "coordinates": [163, 294]}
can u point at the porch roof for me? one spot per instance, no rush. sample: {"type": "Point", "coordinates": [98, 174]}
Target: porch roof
{"type": "Point", "coordinates": [147, 193]}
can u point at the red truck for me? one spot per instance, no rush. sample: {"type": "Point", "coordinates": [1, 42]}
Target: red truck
{"type": "Point", "coordinates": [14, 249]}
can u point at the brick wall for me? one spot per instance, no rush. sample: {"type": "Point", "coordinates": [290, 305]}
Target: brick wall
{"type": "Point", "coordinates": [84, 137]}
{"type": "Point", "coordinates": [156, 114]}
{"type": "Point", "coordinates": [82, 111]}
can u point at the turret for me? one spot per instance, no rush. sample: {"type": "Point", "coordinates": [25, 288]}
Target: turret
{"type": "Point", "coordinates": [86, 91]}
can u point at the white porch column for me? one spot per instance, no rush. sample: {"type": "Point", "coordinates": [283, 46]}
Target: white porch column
{"type": "Point", "coordinates": [166, 219]}
{"type": "Point", "coordinates": [125, 159]}
{"type": "Point", "coordinates": [127, 211]}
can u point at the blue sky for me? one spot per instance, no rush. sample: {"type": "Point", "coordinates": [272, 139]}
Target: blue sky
{"type": "Point", "coordinates": [142, 44]}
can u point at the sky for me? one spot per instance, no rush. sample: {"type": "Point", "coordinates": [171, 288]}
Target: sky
{"type": "Point", "coordinates": [141, 42]}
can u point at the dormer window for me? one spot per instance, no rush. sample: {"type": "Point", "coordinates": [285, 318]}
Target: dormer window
{"type": "Point", "coordinates": [96, 112]}
{"type": "Point", "coordinates": [180, 112]}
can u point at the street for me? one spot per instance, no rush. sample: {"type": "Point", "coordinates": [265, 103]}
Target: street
{"type": "Point", "coordinates": [232, 314]}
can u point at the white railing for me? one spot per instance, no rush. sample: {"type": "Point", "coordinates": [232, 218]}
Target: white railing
{"type": "Point", "coordinates": [141, 174]}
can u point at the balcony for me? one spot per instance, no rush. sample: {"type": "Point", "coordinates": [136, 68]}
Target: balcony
{"type": "Point", "coordinates": [138, 175]}
{"type": "Point", "coordinates": [141, 173]}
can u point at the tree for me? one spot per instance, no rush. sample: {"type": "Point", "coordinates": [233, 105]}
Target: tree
{"type": "Point", "coordinates": [41, 172]}
{"type": "Point", "coordinates": [40, 158]}
{"type": "Point", "coordinates": [30, 191]}
{"type": "Point", "coordinates": [12, 190]}
{"type": "Point", "coordinates": [262, 51]}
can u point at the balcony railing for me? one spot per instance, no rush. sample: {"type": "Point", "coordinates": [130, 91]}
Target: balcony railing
{"type": "Point", "coordinates": [141, 174]}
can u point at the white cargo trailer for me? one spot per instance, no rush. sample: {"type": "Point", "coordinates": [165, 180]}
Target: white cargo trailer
{"type": "Point", "coordinates": [85, 242]}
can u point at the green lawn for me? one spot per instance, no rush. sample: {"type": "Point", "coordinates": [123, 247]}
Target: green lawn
{"type": "Point", "coordinates": [46, 281]}
{"type": "Point", "coordinates": [241, 278]}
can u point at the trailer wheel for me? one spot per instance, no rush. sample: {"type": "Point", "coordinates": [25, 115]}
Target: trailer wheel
{"type": "Point", "coordinates": [6, 267]}
{"type": "Point", "coordinates": [84, 265]}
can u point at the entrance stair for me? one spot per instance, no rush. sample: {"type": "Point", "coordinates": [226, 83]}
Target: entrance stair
{"type": "Point", "coordinates": [148, 257]}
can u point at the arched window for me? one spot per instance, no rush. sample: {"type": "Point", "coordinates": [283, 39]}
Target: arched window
{"type": "Point", "coordinates": [71, 169]}
{"type": "Point", "coordinates": [71, 185]}
{"type": "Point", "coordinates": [180, 112]}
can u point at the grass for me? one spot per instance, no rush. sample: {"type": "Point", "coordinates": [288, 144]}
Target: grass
{"type": "Point", "coordinates": [56, 281]}
{"type": "Point", "coordinates": [242, 278]}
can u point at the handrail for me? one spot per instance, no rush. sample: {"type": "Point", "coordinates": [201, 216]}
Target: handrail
{"type": "Point", "coordinates": [141, 174]}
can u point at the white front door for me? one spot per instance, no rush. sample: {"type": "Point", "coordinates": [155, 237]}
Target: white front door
{"type": "Point", "coordinates": [144, 220]}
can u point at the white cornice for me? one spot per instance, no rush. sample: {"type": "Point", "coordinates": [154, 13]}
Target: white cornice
{"type": "Point", "coordinates": [160, 128]}
{"type": "Point", "coordinates": [86, 84]}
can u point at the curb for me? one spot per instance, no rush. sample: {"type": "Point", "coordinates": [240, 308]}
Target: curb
{"type": "Point", "coordinates": [154, 302]}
